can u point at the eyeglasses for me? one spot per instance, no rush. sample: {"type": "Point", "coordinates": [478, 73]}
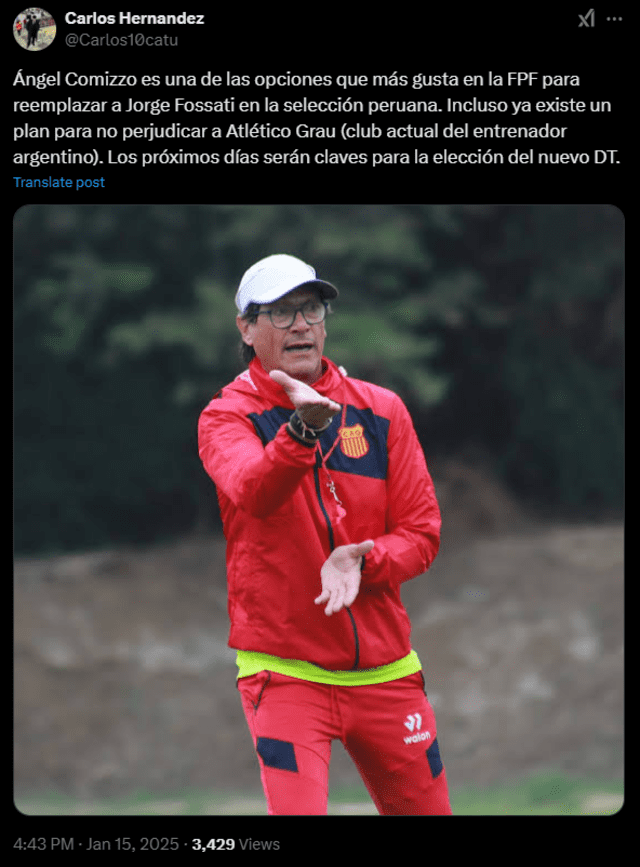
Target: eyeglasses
{"type": "Point", "coordinates": [284, 316]}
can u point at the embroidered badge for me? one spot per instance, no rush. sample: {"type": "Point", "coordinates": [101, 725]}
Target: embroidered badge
{"type": "Point", "coordinates": [353, 442]}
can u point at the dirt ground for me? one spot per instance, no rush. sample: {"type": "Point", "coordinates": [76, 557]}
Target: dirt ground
{"type": "Point", "coordinates": [124, 682]}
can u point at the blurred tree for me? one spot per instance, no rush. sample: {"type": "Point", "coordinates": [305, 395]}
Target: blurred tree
{"type": "Point", "coordinates": [539, 362]}
{"type": "Point", "coordinates": [101, 455]}
{"type": "Point", "coordinates": [564, 357]}
{"type": "Point", "coordinates": [376, 255]}
{"type": "Point", "coordinates": [501, 326]}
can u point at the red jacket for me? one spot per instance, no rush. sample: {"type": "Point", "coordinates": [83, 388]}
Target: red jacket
{"type": "Point", "coordinates": [281, 520]}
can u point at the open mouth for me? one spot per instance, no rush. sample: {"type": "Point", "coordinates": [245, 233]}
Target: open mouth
{"type": "Point", "coordinates": [299, 347]}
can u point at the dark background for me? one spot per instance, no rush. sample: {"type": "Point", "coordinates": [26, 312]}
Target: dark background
{"type": "Point", "coordinates": [501, 326]}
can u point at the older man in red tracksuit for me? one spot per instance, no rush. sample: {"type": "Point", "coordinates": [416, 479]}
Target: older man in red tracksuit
{"type": "Point", "coordinates": [327, 507]}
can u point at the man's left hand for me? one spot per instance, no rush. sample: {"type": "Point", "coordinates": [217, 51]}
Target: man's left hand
{"type": "Point", "coordinates": [340, 576]}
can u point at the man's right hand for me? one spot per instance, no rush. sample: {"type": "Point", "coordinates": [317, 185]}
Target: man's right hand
{"type": "Point", "coordinates": [314, 409]}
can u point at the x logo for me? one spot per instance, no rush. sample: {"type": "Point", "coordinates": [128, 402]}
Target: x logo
{"type": "Point", "coordinates": [584, 19]}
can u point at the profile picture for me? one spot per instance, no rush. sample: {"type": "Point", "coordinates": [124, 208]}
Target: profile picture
{"type": "Point", "coordinates": [34, 29]}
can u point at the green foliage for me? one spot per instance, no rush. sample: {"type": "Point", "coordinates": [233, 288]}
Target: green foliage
{"type": "Point", "coordinates": [568, 429]}
{"type": "Point", "coordinates": [370, 347]}
{"type": "Point", "coordinates": [501, 326]}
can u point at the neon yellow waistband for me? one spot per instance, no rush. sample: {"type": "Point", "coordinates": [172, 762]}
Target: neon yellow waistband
{"type": "Point", "coordinates": [250, 662]}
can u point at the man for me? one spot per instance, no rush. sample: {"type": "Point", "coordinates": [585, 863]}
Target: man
{"type": "Point", "coordinates": [33, 28]}
{"type": "Point", "coordinates": [327, 507]}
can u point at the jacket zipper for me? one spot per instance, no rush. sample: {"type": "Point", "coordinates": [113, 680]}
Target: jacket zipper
{"type": "Point", "coordinates": [316, 473]}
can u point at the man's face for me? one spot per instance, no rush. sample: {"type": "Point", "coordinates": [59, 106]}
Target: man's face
{"type": "Point", "coordinates": [297, 349]}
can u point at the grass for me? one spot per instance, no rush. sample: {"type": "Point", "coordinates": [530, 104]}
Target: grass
{"type": "Point", "coordinates": [542, 795]}
{"type": "Point", "coordinates": [551, 794]}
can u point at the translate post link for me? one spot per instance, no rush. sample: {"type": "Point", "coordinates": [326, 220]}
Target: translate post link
{"type": "Point", "coordinates": [52, 183]}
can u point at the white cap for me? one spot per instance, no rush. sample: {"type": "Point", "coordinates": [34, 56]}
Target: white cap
{"type": "Point", "coordinates": [271, 278]}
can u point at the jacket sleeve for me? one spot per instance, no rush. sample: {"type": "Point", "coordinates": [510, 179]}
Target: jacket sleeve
{"type": "Point", "coordinates": [256, 478]}
{"type": "Point", "coordinates": [413, 521]}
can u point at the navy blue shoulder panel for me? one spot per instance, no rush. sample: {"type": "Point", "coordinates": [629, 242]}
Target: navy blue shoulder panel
{"type": "Point", "coordinates": [269, 422]}
{"type": "Point", "coordinates": [362, 449]}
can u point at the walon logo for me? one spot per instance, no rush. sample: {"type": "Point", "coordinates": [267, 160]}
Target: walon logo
{"type": "Point", "coordinates": [414, 722]}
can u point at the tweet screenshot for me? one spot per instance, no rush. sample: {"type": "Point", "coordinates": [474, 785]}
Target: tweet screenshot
{"type": "Point", "coordinates": [318, 352]}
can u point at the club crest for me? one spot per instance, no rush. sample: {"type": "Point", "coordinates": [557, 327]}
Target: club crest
{"type": "Point", "coordinates": [353, 442]}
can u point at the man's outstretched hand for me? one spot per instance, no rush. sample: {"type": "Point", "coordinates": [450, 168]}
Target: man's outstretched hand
{"type": "Point", "coordinates": [314, 409]}
{"type": "Point", "coordinates": [340, 576]}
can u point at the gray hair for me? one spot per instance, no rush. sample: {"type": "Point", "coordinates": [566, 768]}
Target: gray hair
{"type": "Point", "coordinates": [247, 353]}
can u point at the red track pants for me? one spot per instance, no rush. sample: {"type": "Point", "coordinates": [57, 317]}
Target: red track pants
{"type": "Point", "coordinates": [388, 729]}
